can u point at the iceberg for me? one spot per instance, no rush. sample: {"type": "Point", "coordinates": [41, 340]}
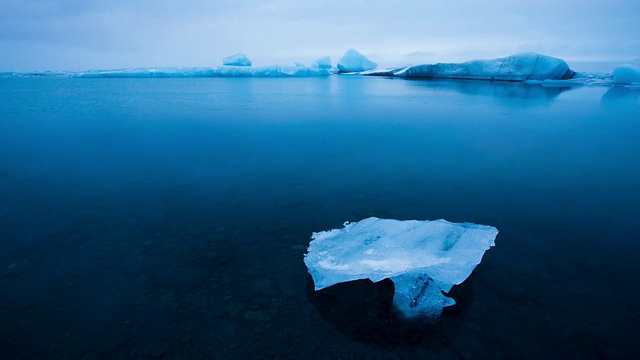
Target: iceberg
{"type": "Point", "coordinates": [236, 60]}
{"type": "Point", "coordinates": [353, 61]}
{"type": "Point", "coordinates": [520, 67]}
{"type": "Point", "coordinates": [626, 74]}
{"type": "Point", "coordinates": [422, 258]}
{"type": "Point", "coordinates": [221, 71]}
{"type": "Point", "coordinates": [322, 63]}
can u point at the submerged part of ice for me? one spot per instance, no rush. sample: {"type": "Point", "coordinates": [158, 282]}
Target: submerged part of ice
{"type": "Point", "coordinates": [626, 74]}
{"type": "Point", "coordinates": [236, 60]}
{"type": "Point", "coordinates": [221, 71]}
{"type": "Point", "coordinates": [422, 258]}
{"type": "Point", "coordinates": [353, 61]}
{"type": "Point", "coordinates": [322, 63]}
{"type": "Point", "coordinates": [520, 67]}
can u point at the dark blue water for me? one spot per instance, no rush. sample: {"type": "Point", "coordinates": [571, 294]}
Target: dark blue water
{"type": "Point", "coordinates": [168, 218]}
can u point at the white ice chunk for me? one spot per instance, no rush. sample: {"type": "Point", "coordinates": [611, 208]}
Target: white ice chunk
{"type": "Point", "coordinates": [520, 67]}
{"type": "Point", "coordinates": [236, 60]}
{"type": "Point", "coordinates": [626, 74]}
{"type": "Point", "coordinates": [422, 258]}
{"type": "Point", "coordinates": [353, 61]}
{"type": "Point", "coordinates": [299, 64]}
{"type": "Point", "coordinates": [322, 63]}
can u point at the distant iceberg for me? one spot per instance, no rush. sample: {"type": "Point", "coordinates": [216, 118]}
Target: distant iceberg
{"type": "Point", "coordinates": [236, 60]}
{"type": "Point", "coordinates": [520, 67]}
{"type": "Point", "coordinates": [219, 71]}
{"type": "Point", "coordinates": [626, 74]}
{"type": "Point", "coordinates": [353, 61]}
{"type": "Point", "coordinates": [424, 259]}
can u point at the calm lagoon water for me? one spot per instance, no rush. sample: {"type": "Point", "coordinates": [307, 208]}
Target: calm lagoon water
{"type": "Point", "coordinates": [168, 218]}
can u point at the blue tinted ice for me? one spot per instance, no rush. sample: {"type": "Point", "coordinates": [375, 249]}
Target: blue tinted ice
{"type": "Point", "coordinates": [422, 258]}
{"type": "Point", "coordinates": [626, 74]}
{"type": "Point", "coordinates": [528, 67]}
{"type": "Point", "coordinates": [161, 72]}
{"type": "Point", "coordinates": [322, 63]}
{"type": "Point", "coordinates": [219, 71]}
{"type": "Point", "coordinates": [236, 60]}
{"type": "Point", "coordinates": [353, 61]}
{"type": "Point", "coordinates": [520, 67]}
{"type": "Point", "coordinates": [267, 71]}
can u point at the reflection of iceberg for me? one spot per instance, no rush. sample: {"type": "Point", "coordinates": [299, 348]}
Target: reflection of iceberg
{"type": "Point", "coordinates": [498, 90]}
{"type": "Point", "coordinates": [422, 258]}
{"type": "Point", "coordinates": [220, 71]}
{"type": "Point", "coordinates": [621, 96]}
{"type": "Point", "coordinates": [521, 67]}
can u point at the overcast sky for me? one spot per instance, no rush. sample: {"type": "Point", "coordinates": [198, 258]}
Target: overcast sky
{"type": "Point", "coordinates": [96, 34]}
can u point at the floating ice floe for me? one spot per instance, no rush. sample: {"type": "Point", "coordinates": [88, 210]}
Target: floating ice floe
{"type": "Point", "coordinates": [353, 61]}
{"type": "Point", "coordinates": [422, 258]}
{"type": "Point", "coordinates": [520, 67]}
{"type": "Point", "coordinates": [626, 74]}
{"type": "Point", "coordinates": [236, 60]}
